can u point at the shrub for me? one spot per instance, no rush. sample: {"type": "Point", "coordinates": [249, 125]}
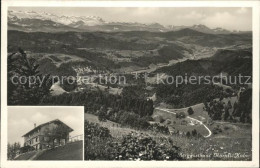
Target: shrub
{"type": "Point", "coordinates": [180, 115]}
{"type": "Point", "coordinates": [142, 147]}
{"type": "Point", "coordinates": [190, 111]}
{"type": "Point", "coordinates": [100, 145]}
{"type": "Point", "coordinates": [217, 130]}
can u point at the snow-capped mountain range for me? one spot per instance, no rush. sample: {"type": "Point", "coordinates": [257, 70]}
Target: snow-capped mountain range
{"type": "Point", "coordinates": [41, 21]}
{"type": "Point", "coordinates": [66, 20]}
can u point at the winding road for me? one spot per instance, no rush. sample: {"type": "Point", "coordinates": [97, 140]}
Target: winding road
{"type": "Point", "coordinates": [194, 119]}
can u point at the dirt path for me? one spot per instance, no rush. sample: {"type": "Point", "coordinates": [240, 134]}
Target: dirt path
{"type": "Point", "coordinates": [200, 122]}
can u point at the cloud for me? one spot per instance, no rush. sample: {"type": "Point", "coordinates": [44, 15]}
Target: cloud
{"type": "Point", "coordinates": [192, 15]}
{"type": "Point", "coordinates": [228, 21]}
{"type": "Point", "coordinates": [39, 117]}
{"type": "Point", "coordinates": [75, 122]}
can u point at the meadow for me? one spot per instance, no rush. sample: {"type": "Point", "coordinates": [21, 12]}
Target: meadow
{"type": "Point", "coordinates": [233, 143]}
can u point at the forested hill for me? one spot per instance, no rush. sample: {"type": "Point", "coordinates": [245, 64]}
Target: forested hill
{"type": "Point", "coordinates": [233, 62]}
{"type": "Point", "coordinates": [228, 62]}
{"type": "Point", "coordinates": [93, 100]}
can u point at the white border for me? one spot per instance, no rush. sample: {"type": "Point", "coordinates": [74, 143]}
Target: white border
{"type": "Point", "coordinates": [51, 164]}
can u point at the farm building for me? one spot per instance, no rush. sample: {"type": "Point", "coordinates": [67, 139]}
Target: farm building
{"type": "Point", "coordinates": [40, 137]}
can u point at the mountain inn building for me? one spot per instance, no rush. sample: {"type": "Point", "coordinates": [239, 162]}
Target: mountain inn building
{"type": "Point", "coordinates": [39, 136]}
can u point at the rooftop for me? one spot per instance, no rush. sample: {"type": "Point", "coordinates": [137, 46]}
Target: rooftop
{"type": "Point", "coordinates": [41, 125]}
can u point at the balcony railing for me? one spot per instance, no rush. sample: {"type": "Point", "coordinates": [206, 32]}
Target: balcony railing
{"type": "Point", "coordinates": [76, 138]}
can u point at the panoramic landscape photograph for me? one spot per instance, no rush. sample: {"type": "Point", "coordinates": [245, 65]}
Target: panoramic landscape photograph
{"type": "Point", "coordinates": [164, 83]}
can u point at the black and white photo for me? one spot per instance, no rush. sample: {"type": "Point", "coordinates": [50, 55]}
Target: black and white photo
{"type": "Point", "coordinates": [105, 83]}
{"type": "Point", "coordinates": [45, 133]}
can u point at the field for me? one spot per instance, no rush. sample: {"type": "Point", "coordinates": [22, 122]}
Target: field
{"type": "Point", "coordinates": [56, 58]}
{"type": "Point", "coordinates": [115, 129]}
{"type": "Point", "coordinates": [235, 138]}
{"type": "Point", "coordinates": [199, 112]}
{"type": "Point", "coordinates": [26, 156]}
{"type": "Point", "coordinates": [71, 151]}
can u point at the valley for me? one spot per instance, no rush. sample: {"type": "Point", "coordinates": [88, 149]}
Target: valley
{"type": "Point", "coordinates": [179, 122]}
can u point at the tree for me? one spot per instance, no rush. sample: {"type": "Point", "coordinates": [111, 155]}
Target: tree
{"type": "Point", "coordinates": [206, 107]}
{"type": "Point", "coordinates": [226, 114]}
{"type": "Point", "coordinates": [190, 111]}
{"type": "Point", "coordinates": [102, 114]}
{"type": "Point", "coordinates": [188, 134]}
{"type": "Point", "coordinates": [59, 132]}
{"type": "Point", "coordinates": [194, 133]}
{"type": "Point", "coordinates": [12, 150]}
{"type": "Point", "coordinates": [229, 105]}
{"type": "Point", "coordinates": [26, 86]}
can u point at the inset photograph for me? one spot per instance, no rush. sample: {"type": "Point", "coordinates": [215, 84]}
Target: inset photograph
{"type": "Point", "coordinates": [45, 133]}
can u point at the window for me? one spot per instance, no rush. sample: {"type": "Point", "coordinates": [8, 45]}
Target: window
{"type": "Point", "coordinates": [36, 139]}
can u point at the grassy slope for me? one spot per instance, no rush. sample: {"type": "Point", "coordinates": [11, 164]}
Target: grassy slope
{"type": "Point", "coordinates": [199, 113]}
{"type": "Point", "coordinates": [176, 123]}
{"type": "Point", "coordinates": [235, 138]}
{"type": "Point", "coordinates": [56, 58]}
{"type": "Point", "coordinates": [115, 129]}
{"type": "Point", "coordinates": [72, 151]}
{"type": "Point", "coordinates": [26, 156]}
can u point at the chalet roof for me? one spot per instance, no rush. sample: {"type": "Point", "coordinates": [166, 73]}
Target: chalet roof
{"type": "Point", "coordinates": [41, 125]}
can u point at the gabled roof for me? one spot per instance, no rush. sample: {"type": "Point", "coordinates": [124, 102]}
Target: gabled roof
{"type": "Point", "coordinates": [41, 125]}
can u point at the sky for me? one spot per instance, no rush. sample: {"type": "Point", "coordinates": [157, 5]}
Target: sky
{"type": "Point", "coordinates": [21, 119]}
{"type": "Point", "coordinates": [231, 18]}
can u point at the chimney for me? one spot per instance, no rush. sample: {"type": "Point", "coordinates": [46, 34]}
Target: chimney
{"type": "Point", "coordinates": [34, 125]}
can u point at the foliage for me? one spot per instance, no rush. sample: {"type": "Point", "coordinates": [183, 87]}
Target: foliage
{"type": "Point", "coordinates": [217, 130]}
{"type": "Point", "coordinates": [32, 87]}
{"type": "Point", "coordinates": [12, 150]}
{"type": "Point", "coordinates": [143, 147]}
{"type": "Point", "coordinates": [233, 62]}
{"type": "Point", "coordinates": [94, 130]}
{"type": "Point", "coordinates": [159, 128]}
{"type": "Point", "coordinates": [242, 109]}
{"type": "Point", "coordinates": [187, 94]}
{"type": "Point", "coordinates": [96, 139]}
{"type": "Point", "coordinates": [102, 114]}
{"type": "Point", "coordinates": [127, 118]}
{"type": "Point", "coordinates": [93, 100]}
{"type": "Point", "coordinates": [126, 110]}
{"type": "Point", "coordinates": [135, 91]}
{"type": "Point", "coordinates": [26, 149]}
{"type": "Point", "coordinates": [99, 145]}
{"type": "Point", "coordinates": [58, 133]}
{"type": "Point", "coordinates": [190, 111]}
{"type": "Point", "coordinates": [180, 115]}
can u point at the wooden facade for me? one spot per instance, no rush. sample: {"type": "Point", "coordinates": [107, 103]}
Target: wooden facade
{"type": "Point", "coordinates": [39, 137]}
